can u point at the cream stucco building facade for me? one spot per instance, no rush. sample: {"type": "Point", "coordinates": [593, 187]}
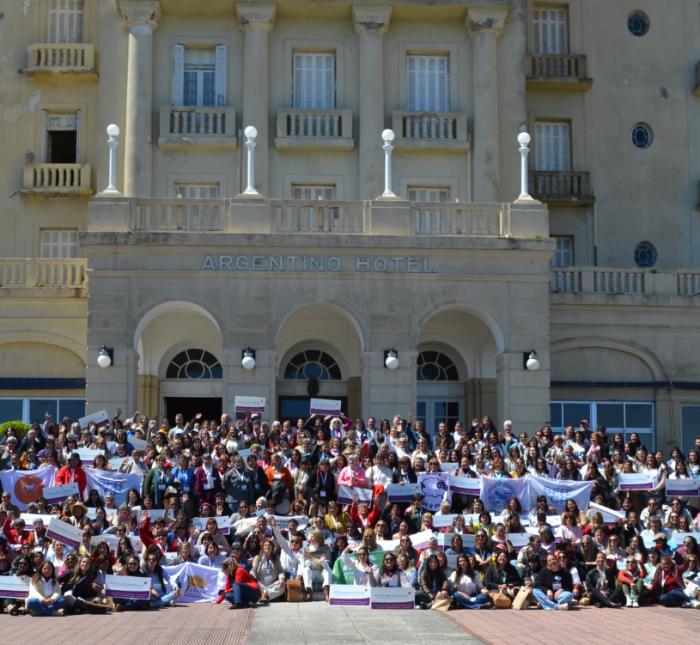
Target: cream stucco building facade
{"type": "Point", "coordinates": [177, 272]}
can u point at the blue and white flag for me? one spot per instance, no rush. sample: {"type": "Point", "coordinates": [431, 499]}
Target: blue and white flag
{"type": "Point", "coordinates": [559, 491]}
{"type": "Point", "coordinates": [109, 482]}
{"type": "Point", "coordinates": [197, 583]}
{"type": "Point", "coordinates": [496, 492]}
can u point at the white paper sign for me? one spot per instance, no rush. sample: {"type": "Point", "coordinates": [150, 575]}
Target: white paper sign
{"type": "Point", "coordinates": [55, 494]}
{"type": "Point", "coordinates": [249, 404]}
{"type": "Point", "coordinates": [392, 598]}
{"type": "Point", "coordinates": [682, 487]}
{"type": "Point", "coordinates": [113, 542]}
{"type": "Point", "coordinates": [87, 455]}
{"type": "Point", "coordinates": [349, 595]}
{"type": "Point", "coordinates": [30, 517]}
{"type": "Point", "coordinates": [222, 524]}
{"type": "Point", "coordinates": [64, 533]}
{"type": "Point", "coordinates": [420, 540]}
{"type": "Point", "coordinates": [100, 419]}
{"type": "Point", "coordinates": [128, 587]}
{"type": "Point", "coordinates": [637, 481]}
{"type": "Point", "coordinates": [518, 540]}
{"type": "Point", "coordinates": [610, 516]}
{"type": "Point", "coordinates": [442, 521]}
{"type": "Point", "coordinates": [449, 466]}
{"type": "Point", "coordinates": [14, 587]}
{"type": "Point", "coordinates": [325, 406]}
{"type": "Point", "coordinates": [465, 485]}
{"type": "Point", "coordinates": [138, 444]}
{"type": "Point", "coordinates": [345, 495]}
{"type": "Point", "coordinates": [397, 493]}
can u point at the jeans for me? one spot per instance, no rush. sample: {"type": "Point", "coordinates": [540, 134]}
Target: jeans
{"type": "Point", "coordinates": [673, 598]}
{"type": "Point", "coordinates": [243, 594]}
{"type": "Point", "coordinates": [480, 600]}
{"type": "Point", "coordinates": [163, 601]}
{"type": "Point", "coordinates": [599, 598]}
{"type": "Point", "coordinates": [543, 601]}
{"type": "Point", "coordinates": [36, 607]}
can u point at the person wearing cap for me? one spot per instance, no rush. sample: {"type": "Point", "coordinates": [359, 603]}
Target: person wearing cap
{"type": "Point", "coordinates": [601, 583]}
{"type": "Point", "coordinates": [73, 472]}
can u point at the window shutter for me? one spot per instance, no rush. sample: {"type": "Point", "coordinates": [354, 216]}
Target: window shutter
{"type": "Point", "coordinates": [178, 75]}
{"type": "Point", "coordinates": [220, 82]}
{"type": "Point", "coordinates": [78, 127]}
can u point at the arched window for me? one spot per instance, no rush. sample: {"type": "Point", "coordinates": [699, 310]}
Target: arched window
{"type": "Point", "coordinates": [312, 363]}
{"type": "Point", "coordinates": [194, 364]}
{"type": "Point", "coordinates": [436, 366]}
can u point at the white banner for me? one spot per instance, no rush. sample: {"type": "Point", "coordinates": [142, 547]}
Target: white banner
{"type": "Point", "coordinates": [496, 492]}
{"type": "Point", "coordinates": [465, 485]}
{"type": "Point", "coordinates": [349, 595]}
{"type": "Point", "coordinates": [397, 493]}
{"type": "Point", "coordinates": [392, 598]}
{"type": "Point", "coordinates": [14, 587]}
{"type": "Point", "coordinates": [637, 481]}
{"type": "Point", "coordinates": [100, 419]}
{"type": "Point", "coordinates": [518, 540]}
{"type": "Point", "coordinates": [345, 495]}
{"type": "Point", "coordinates": [610, 516]}
{"type": "Point", "coordinates": [197, 583]}
{"type": "Point", "coordinates": [443, 521]}
{"type": "Point", "coordinates": [26, 486]}
{"type": "Point", "coordinates": [64, 533]}
{"type": "Point", "coordinates": [682, 487]}
{"type": "Point", "coordinates": [55, 494]}
{"type": "Point", "coordinates": [116, 484]}
{"type": "Point", "coordinates": [325, 406]}
{"type": "Point", "coordinates": [222, 524]}
{"type": "Point", "coordinates": [420, 540]}
{"type": "Point", "coordinates": [249, 404]}
{"type": "Point", "coordinates": [558, 492]}
{"type": "Point", "coordinates": [449, 466]}
{"type": "Point", "coordinates": [138, 444]}
{"type": "Point", "coordinates": [87, 455]}
{"type": "Point", "coordinates": [30, 517]}
{"type": "Point", "coordinates": [128, 587]}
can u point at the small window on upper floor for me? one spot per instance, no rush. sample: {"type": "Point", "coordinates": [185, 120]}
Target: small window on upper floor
{"type": "Point", "coordinates": [198, 76]}
{"type": "Point", "coordinates": [61, 138]}
{"type": "Point", "coordinates": [552, 146]}
{"type": "Point", "coordinates": [186, 190]}
{"type": "Point", "coordinates": [428, 83]}
{"type": "Point", "coordinates": [59, 244]}
{"type": "Point", "coordinates": [313, 192]}
{"type": "Point", "coordinates": [429, 193]}
{"type": "Point", "coordinates": [564, 252]}
{"type": "Point", "coordinates": [313, 80]}
{"type": "Point", "coordinates": [551, 30]}
{"type": "Point", "coordinates": [66, 21]}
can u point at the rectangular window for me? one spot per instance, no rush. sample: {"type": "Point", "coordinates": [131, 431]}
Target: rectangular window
{"type": "Point", "coordinates": [61, 138]}
{"type": "Point", "coordinates": [617, 416]}
{"type": "Point", "coordinates": [11, 410]}
{"type": "Point", "coordinates": [428, 83]}
{"type": "Point", "coordinates": [429, 193]}
{"type": "Point", "coordinates": [551, 30]}
{"type": "Point", "coordinates": [197, 191]}
{"type": "Point", "coordinates": [313, 192]}
{"type": "Point", "coordinates": [313, 81]}
{"type": "Point", "coordinates": [552, 146]}
{"type": "Point", "coordinates": [31, 410]}
{"type": "Point", "coordinates": [59, 244]}
{"type": "Point", "coordinates": [564, 253]}
{"type": "Point", "coordinates": [198, 76]}
{"type": "Point", "coordinates": [66, 21]}
{"type": "Point", "coordinates": [690, 426]}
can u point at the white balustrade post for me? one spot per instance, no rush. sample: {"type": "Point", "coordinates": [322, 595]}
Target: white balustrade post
{"type": "Point", "coordinates": [388, 137]}
{"type": "Point", "coordinates": [524, 141]}
{"type": "Point", "coordinates": [113, 143]}
{"type": "Point", "coordinates": [250, 135]}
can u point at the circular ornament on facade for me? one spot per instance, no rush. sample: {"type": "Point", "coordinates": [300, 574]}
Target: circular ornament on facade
{"type": "Point", "coordinates": [642, 135]}
{"type": "Point", "coordinates": [638, 23]}
{"type": "Point", "coordinates": [645, 255]}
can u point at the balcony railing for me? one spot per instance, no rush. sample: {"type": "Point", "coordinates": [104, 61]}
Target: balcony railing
{"type": "Point", "coordinates": [320, 129]}
{"type": "Point", "coordinates": [479, 220]}
{"type": "Point", "coordinates": [617, 282]}
{"type": "Point", "coordinates": [296, 216]}
{"type": "Point", "coordinates": [430, 130]}
{"type": "Point", "coordinates": [25, 272]}
{"type": "Point", "coordinates": [183, 127]}
{"type": "Point", "coordinates": [161, 215]}
{"type": "Point", "coordinates": [61, 179]}
{"type": "Point", "coordinates": [558, 72]}
{"type": "Point", "coordinates": [561, 187]}
{"type": "Point", "coordinates": [61, 59]}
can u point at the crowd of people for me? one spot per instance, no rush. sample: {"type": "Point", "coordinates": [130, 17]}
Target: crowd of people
{"type": "Point", "coordinates": [287, 537]}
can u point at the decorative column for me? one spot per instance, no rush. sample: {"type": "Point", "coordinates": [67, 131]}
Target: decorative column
{"type": "Point", "coordinates": [141, 18]}
{"type": "Point", "coordinates": [485, 24]}
{"type": "Point", "coordinates": [371, 22]}
{"type": "Point", "coordinates": [256, 20]}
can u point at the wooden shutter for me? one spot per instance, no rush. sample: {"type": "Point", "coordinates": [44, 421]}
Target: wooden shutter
{"type": "Point", "coordinates": [551, 31]}
{"type": "Point", "coordinates": [428, 83]}
{"type": "Point", "coordinates": [177, 80]}
{"type": "Point", "coordinates": [313, 81]}
{"type": "Point", "coordinates": [552, 146]}
{"type": "Point", "coordinates": [220, 81]}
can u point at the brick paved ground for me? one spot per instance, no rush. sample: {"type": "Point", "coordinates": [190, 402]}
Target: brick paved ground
{"type": "Point", "coordinates": [182, 625]}
{"type": "Point", "coordinates": [582, 626]}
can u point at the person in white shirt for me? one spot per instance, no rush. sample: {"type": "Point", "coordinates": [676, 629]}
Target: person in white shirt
{"type": "Point", "coordinates": [45, 597]}
{"type": "Point", "coordinates": [468, 590]}
{"type": "Point", "coordinates": [361, 568]}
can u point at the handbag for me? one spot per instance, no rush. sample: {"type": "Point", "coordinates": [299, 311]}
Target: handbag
{"type": "Point", "coordinates": [442, 602]}
{"type": "Point", "coordinates": [500, 600]}
{"type": "Point", "coordinates": [522, 600]}
{"type": "Point", "coordinates": [294, 591]}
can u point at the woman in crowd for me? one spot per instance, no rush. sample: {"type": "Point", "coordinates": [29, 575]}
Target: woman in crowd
{"type": "Point", "coordinates": [468, 590]}
{"type": "Point", "coordinates": [45, 598]}
{"type": "Point", "coordinates": [268, 572]}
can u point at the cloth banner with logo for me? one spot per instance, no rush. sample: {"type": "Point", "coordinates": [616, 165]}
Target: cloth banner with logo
{"type": "Point", "coordinates": [559, 491]}
{"type": "Point", "coordinates": [197, 583]}
{"type": "Point", "coordinates": [107, 482]}
{"type": "Point", "coordinates": [496, 492]}
{"type": "Point", "coordinates": [26, 486]}
{"type": "Point", "coordinates": [435, 488]}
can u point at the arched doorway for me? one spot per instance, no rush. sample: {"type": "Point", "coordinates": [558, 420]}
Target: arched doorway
{"type": "Point", "coordinates": [439, 388]}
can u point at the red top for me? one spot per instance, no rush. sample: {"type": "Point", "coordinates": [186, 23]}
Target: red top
{"type": "Point", "coordinates": [243, 577]}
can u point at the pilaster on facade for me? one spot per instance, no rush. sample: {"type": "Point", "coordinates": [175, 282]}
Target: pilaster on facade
{"type": "Point", "coordinates": [140, 14]}
{"type": "Point", "coordinates": [487, 19]}
{"type": "Point", "coordinates": [256, 15]}
{"type": "Point", "coordinates": [371, 19]}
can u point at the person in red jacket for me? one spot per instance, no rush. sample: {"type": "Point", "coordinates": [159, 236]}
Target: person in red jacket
{"type": "Point", "coordinates": [73, 472]}
{"type": "Point", "coordinates": [241, 588]}
{"type": "Point", "coordinates": [667, 586]}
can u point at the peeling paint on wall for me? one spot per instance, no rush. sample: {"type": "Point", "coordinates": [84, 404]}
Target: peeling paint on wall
{"type": "Point", "coordinates": [11, 114]}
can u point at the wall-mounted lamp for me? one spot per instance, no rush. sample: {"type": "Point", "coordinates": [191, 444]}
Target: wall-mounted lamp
{"type": "Point", "coordinates": [106, 356]}
{"type": "Point", "coordinates": [391, 359]}
{"type": "Point", "coordinates": [248, 358]}
{"type": "Point", "coordinates": [530, 361]}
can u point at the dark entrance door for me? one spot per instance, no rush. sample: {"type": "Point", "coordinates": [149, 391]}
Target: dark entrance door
{"type": "Point", "coordinates": [210, 407]}
{"type": "Point", "coordinates": [291, 408]}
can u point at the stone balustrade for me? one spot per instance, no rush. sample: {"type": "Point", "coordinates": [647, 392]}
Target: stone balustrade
{"type": "Point", "coordinates": [26, 272]}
